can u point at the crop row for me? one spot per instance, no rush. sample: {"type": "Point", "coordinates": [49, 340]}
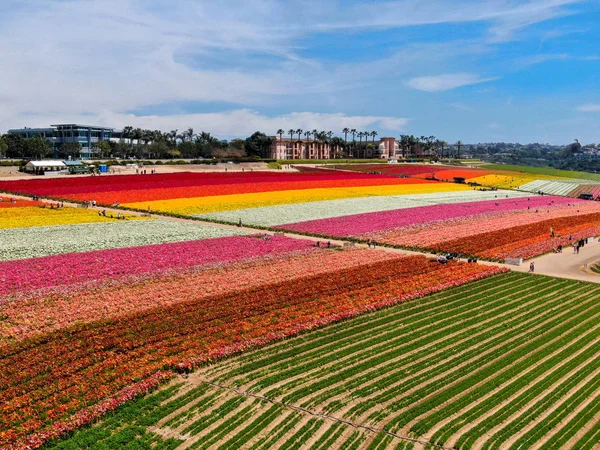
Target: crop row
{"type": "Point", "coordinates": [334, 338]}
{"type": "Point", "coordinates": [545, 337]}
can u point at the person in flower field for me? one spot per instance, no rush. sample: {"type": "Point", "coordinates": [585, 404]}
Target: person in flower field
{"type": "Point", "coordinates": [532, 266]}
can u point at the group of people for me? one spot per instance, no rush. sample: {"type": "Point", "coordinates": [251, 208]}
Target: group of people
{"type": "Point", "coordinates": [56, 205]}
{"type": "Point", "coordinates": [144, 171]}
{"type": "Point", "coordinates": [328, 244]}
{"type": "Point", "coordinates": [371, 242]}
{"type": "Point", "coordinates": [118, 217]}
{"type": "Point", "coordinates": [88, 203]}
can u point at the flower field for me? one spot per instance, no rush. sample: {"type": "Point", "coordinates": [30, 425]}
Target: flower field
{"type": "Point", "coordinates": [82, 333]}
{"type": "Point", "coordinates": [508, 362]}
{"type": "Point", "coordinates": [493, 176]}
{"type": "Point", "coordinates": [493, 229]}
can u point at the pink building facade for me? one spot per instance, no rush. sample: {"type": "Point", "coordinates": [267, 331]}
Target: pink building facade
{"type": "Point", "coordinates": [286, 148]}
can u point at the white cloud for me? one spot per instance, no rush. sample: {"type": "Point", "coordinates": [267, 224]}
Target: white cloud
{"type": "Point", "coordinates": [589, 108]}
{"type": "Point", "coordinates": [439, 83]}
{"type": "Point", "coordinates": [236, 123]}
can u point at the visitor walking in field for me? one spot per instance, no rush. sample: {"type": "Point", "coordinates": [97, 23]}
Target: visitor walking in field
{"type": "Point", "coordinates": [532, 267]}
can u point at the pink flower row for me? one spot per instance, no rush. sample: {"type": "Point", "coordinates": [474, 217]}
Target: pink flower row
{"type": "Point", "coordinates": [428, 234]}
{"type": "Point", "coordinates": [360, 224]}
{"type": "Point", "coordinates": [42, 312]}
{"type": "Point", "coordinates": [60, 270]}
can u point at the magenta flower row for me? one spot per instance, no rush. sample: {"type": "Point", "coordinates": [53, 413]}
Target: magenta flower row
{"type": "Point", "coordinates": [358, 224]}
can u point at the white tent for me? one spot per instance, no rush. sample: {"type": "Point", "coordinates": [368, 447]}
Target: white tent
{"type": "Point", "coordinates": [47, 166]}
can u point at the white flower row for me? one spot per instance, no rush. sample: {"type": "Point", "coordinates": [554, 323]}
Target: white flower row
{"type": "Point", "coordinates": [20, 243]}
{"type": "Point", "coordinates": [300, 212]}
{"type": "Point", "coordinates": [554, 187]}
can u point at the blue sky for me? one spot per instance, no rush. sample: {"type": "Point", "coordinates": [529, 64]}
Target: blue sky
{"type": "Point", "coordinates": [478, 71]}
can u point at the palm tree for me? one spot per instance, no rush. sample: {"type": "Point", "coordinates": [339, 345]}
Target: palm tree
{"type": "Point", "coordinates": [353, 132]}
{"type": "Point", "coordinates": [137, 135]}
{"type": "Point", "coordinates": [329, 134]}
{"type": "Point", "coordinates": [346, 131]}
{"type": "Point", "coordinates": [314, 133]}
{"type": "Point", "coordinates": [458, 144]}
{"type": "Point", "coordinates": [127, 134]}
{"type": "Point", "coordinates": [173, 136]}
{"type": "Point", "coordinates": [373, 134]}
{"type": "Point", "coordinates": [280, 133]}
{"type": "Point", "coordinates": [360, 136]}
{"type": "Point", "coordinates": [307, 134]}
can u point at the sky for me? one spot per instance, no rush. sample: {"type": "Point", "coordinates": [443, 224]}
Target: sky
{"type": "Point", "coordinates": [475, 71]}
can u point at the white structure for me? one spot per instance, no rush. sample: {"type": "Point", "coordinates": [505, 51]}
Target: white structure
{"type": "Point", "coordinates": [47, 167]}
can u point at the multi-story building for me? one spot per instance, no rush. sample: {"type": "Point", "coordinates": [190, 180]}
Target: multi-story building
{"type": "Point", "coordinates": [84, 135]}
{"type": "Point", "coordinates": [286, 148]}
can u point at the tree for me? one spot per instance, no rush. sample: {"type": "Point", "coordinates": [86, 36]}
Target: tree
{"type": "Point", "coordinates": [17, 146]}
{"type": "Point", "coordinates": [3, 146]}
{"type": "Point", "coordinates": [373, 134]}
{"type": "Point", "coordinates": [128, 134]}
{"type": "Point", "coordinates": [346, 131]}
{"type": "Point", "coordinates": [187, 149]}
{"type": "Point", "coordinates": [458, 144]}
{"type": "Point", "coordinates": [258, 144]}
{"type": "Point", "coordinates": [37, 148]}
{"type": "Point", "coordinates": [102, 148]}
{"type": "Point", "coordinates": [280, 132]}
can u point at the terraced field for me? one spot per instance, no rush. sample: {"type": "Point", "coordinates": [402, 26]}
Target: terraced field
{"type": "Point", "coordinates": [508, 362]}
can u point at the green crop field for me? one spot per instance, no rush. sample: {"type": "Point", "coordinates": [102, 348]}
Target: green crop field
{"type": "Point", "coordinates": [544, 171]}
{"type": "Point", "coordinates": [508, 362]}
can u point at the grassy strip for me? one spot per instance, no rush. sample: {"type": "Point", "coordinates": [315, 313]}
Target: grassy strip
{"type": "Point", "coordinates": [543, 171]}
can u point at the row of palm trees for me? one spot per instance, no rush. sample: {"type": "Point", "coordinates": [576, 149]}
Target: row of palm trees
{"type": "Point", "coordinates": [143, 136]}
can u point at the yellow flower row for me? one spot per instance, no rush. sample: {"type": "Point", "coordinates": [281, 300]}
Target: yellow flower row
{"type": "Point", "coordinates": [40, 217]}
{"type": "Point", "coordinates": [509, 181]}
{"type": "Point", "coordinates": [202, 205]}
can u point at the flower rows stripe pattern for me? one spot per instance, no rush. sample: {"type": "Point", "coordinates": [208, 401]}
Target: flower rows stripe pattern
{"type": "Point", "coordinates": [21, 243]}
{"type": "Point", "coordinates": [48, 378]}
{"type": "Point", "coordinates": [39, 312]}
{"type": "Point", "coordinates": [20, 277]}
{"type": "Point", "coordinates": [233, 202]}
{"type": "Point", "coordinates": [271, 216]}
{"type": "Point", "coordinates": [433, 233]}
{"type": "Point", "coordinates": [357, 225]}
{"type": "Point", "coordinates": [501, 244]}
{"type": "Point", "coordinates": [71, 187]}
{"type": "Point", "coordinates": [41, 217]}
{"type": "Point", "coordinates": [166, 193]}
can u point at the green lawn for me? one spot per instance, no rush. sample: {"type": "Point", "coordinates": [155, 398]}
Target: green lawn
{"type": "Point", "coordinates": [544, 171]}
{"type": "Point", "coordinates": [510, 361]}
